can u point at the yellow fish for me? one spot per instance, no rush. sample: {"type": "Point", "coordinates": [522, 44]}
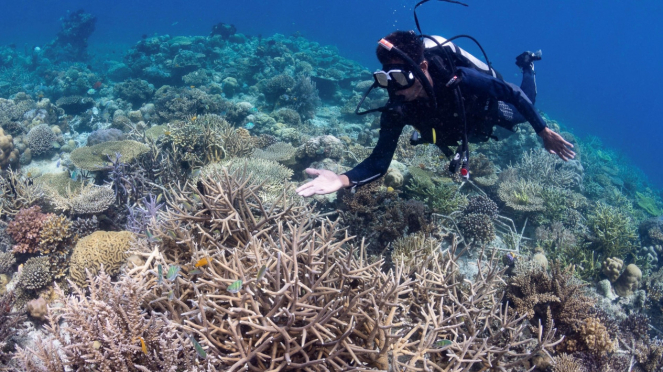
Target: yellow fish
{"type": "Point", "coordinates": [194, 118]}
{"type": "Point", "coordinates": [203, 262]}
{"type": "Point", "coordinates": [143, 346]}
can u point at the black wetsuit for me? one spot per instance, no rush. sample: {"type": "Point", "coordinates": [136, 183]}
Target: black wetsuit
{"type": "Point", "coordinates": [488, 101]}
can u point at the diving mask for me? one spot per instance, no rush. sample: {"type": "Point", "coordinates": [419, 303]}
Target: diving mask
{"type": "Point", "coordinates": [397, 77]}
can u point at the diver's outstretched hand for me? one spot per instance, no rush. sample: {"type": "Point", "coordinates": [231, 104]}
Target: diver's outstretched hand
{"type": "Point", "coordinates": [556, 144]}
{"type": "Point", "coordinates": [326, 182]}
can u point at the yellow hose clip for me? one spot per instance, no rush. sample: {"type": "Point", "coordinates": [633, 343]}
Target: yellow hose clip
{"type": "Point", "coordinates": [434, 137]}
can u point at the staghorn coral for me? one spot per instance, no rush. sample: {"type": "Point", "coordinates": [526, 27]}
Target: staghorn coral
{"type": "Point", "coordinates": [7, 261]}
{"type": "Point", "coordinates": [107, 248]}
{"type": "Point", "coordinates": [208, 138]}
{"type": "Point", "coordinates": [241, 298]}
{"type": "Point", "coordinates": [549, 169]}
{"type": "Point", "coordinates": [613, 234]}
{"type": "Point", "coordinates": [11, 328]}
{"type": "Point", "coordinates": [549, 296]}
{"type": "Point", "coordinates": [40, 139]}
{"type": "Point", "coordinates": [94, 158]}
{"type": "Point", "coordinates": [26, 228]}
{"type": "Point", "coordinates": [36, 274]}
{"type": "Point", "coordinates": [411, 250]}
{"type": "Point", "coordinates": [17, 192]}
{"type": "Point", "coordinates": [108, 331]}
{"type": "Point", "coordinates": [89, 199]}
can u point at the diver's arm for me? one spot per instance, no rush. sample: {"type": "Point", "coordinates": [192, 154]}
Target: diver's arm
{"type": "Point", "coordinates": [472, 81]}
{"type": "Point", "coordinates": [377, 163]}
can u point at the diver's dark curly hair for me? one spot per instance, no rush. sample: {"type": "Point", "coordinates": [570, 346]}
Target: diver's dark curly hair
{"type": "Point", "coordinates": [407, 41]}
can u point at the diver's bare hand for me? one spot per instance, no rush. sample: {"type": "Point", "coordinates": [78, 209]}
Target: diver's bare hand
{"type": "Point", "coordinates": [556, 144]}
{"type": "Point", "coordinates": [326, 182]}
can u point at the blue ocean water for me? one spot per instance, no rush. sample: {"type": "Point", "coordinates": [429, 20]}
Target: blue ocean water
{"type": "Point", "coordinates": [599, 74]}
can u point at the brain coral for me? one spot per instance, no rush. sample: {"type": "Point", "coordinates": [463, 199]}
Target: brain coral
{"type": "Point", "coordinates": [106, 248]}
{"type": "Point", "coordinates": [40, 139]}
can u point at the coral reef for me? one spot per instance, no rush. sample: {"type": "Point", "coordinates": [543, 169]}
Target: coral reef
{"type": "Point", "coordinates": [36, 274]}
{"type": "Point", "coordinates": [304, 264]}
{"type": "Point", "coordinates": [8, 155]}
{"type": "Point", "coordinates": [94, 158]}
{"type": "Point", "coordinates": [101, 248]}
{"type": "Point", "coordinates": [477, 227]}
{"type": "Point", "coordinates": [7, 261]}
{"type": "Point", "coordinates": [26, 229]}
{"type": "Point", "coordinates": [105, 135]}
{"type": "Point", "coordinates": [89, 199]}
{"type": "Point", "coordinates": [109, 330]}
{"type": "Point", "coordinates": [40, 139]}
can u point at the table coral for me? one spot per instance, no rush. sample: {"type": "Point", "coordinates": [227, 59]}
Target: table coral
{"type": "Point", "coordinates": [107, 248]}
{"type": "Point", "coordinates": [94, 158]}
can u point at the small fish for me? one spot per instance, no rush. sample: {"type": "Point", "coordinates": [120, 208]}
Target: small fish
{"type": "Point", "coordinates": [194, 118]}
{"type": "Point", "coordinates": [57, 165]}
{"type": "Point", "coordinates": [196, 172]}
{"type": "Point", "coordinates": [151, 238]}
{"type": "Point", "coordinates": [160, 274]}
{"type": "Point", "coordinates": [443, 343]}
{"type": "Point", "coordinates": [96, 345]}
{"type": "Point", "coordinates": [171, 233]}
{"type": "Point", "coordinates": [171, 295]}
{"type": "Point", "coordinates": [74, 175]}
{"type": "Point", "coordinates": [199, 349]}
{"type": "Point", "coordinates": [193, 86]}
{"type": "Point", "coordinates": [175, 23]}
{"type": "Point", "coordinates": [196, 198]}
{"type": "Point", "coordinates": [173, 271]}
{"type": "Point", "coordinates": [159, 198]}
{"type": "Point", "coordinates": [261, 272]}
{"type": "Point", "coordinates": [143, 346]}
{"type": "Point", "coordinates": [203, 261]}
{"type": "Point", "coordinates": [235, 287]}
{"type": "Point", "coordinates": [195, 272]}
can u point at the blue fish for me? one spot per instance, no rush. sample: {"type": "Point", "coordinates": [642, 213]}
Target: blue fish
{"type": "Point", "coordinates": [57, 165]}
{"type": "Point", "coordinates": [74, 175]}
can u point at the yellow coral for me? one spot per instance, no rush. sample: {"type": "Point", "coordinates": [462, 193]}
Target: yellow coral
{"type": "Point", "coordinates": [596, 337]}
{"type": "Point", "coordinates": [106, 248]}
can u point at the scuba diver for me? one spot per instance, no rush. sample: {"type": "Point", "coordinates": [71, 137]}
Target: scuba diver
{"type": "Point", "coordinates": [448, 96]}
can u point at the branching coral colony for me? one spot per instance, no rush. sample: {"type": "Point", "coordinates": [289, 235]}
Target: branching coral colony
{"type": "Point", "coordinates": [273, 287]}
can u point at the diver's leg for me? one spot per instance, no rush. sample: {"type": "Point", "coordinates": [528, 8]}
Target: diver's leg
{"type": "Point", "coordinates": [526, 63]}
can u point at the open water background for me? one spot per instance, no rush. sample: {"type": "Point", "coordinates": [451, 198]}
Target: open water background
{"type": "Point", "coordinates": [600, 74]}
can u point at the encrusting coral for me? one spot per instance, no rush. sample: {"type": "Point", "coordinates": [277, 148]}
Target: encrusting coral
{"type": "Point", "coordinates": [107, 248]}
{"type": "Point", "coordinates": [108, 331]}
